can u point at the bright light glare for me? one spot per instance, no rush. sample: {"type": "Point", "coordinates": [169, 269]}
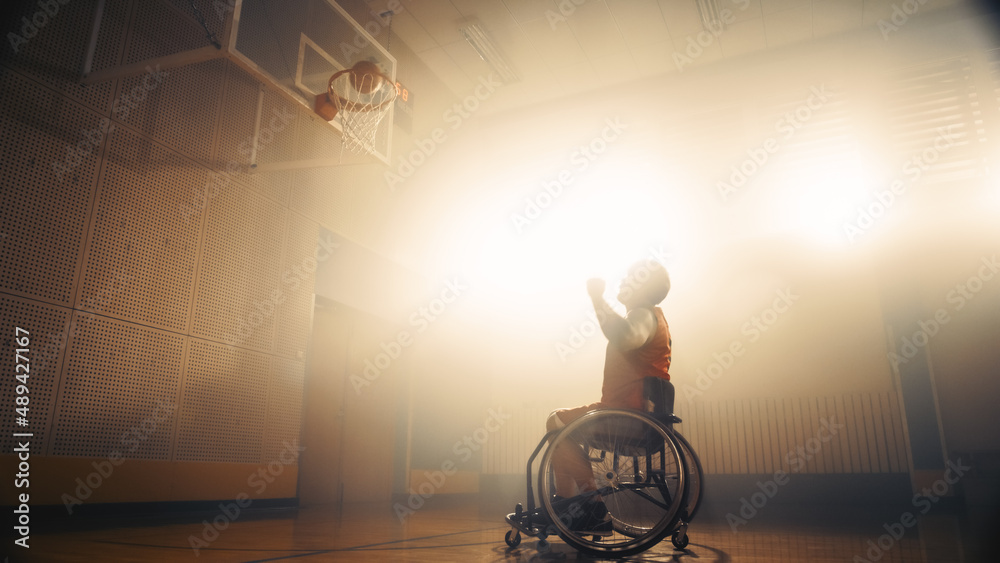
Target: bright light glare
{"type": "Point", "coordinates": [819, 201]}
{"type": "Point", "coordinates": [595, 234]}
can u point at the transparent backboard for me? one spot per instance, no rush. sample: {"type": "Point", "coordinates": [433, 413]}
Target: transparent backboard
{"type": "Point", "coordinates": [299, 44]}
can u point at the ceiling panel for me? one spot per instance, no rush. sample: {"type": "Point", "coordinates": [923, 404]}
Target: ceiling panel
{"type": "Point", "coordinates": [772, 6]}
{"type": "Point", "coordinates": [788, 26]}
{"type": "Point", "coordinates": [526, 10]}
{"type": "Point", "coordinates": [446, 68]}
{"type": "Point", "coordinates": [576, 77]}
{"type": "Point", "coordinates": [743, 37]}
{"type": "Point", "coordinates": [744, 10]}
{"type": "Point", "coordinates": [615, 68]}
{"type": "Point", "coordinates": [682, 18]}
{"type": "Point", "coordinates": [640, 21]}
{"type": "Point", "coordinates": [654, 59]}
{"type": "Point", "coordinates": [875, 10]}
{"type": "Point", "coordinates": [440, 19]}
{"type": "Point", "coordinates": [561, 47]}
{"type": "Point", "coordinates": [596, 30]}
{"type": "Point", "coordinates": [831, 17]}
{"type": "Point", "coordinates": [467, 59]}
{"type": "Point", "coordinates": [557, 47]}
{"type": "Point", "coordinates": [412, 33]}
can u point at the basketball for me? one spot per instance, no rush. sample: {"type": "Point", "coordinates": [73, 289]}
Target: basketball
{"type": "Point", "coordinates": [366, 77]}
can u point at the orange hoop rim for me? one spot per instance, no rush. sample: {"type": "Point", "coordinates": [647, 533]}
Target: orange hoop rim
{"type": "Point", "coordinates": [346, 105]}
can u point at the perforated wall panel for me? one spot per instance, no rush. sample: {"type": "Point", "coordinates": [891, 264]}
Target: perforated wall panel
{"type": "Point", "coordinates": [49, 149]}
{"type": "Point", "coordinates": [47, 327]}
{"type": "Point", "coordinates": [324, 195]}
{"type": "Point", "coordinates": [298, 281]}
{"type": "Point", "coordinates": [316, 139]}
{"type": "Point", "coordinates": [177, 107]}
{"type": "Point", "coordinates": [371, 206]}
{"type": "Point", "coordinates": [213, 12]}
{"type": "Point", "coordinates": [144, 242]}
{"type": "Point", "coordinates": [275, 142]}
{"type": "Point", "coordinates": [284, 407]}
{"type": "Point", "coordinates": [225, 405]}
{"type": "Point", "coordinates": [161, 29]}
{"type": "Point", "coordinates": [54, 55]}
{"type": "Point", "coordinates": [119, 390]}
{"type": "Point", "coordinates": [240, 269]}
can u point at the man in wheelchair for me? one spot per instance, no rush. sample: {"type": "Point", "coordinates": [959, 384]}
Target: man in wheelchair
{"type": "Point", "coordinates": [638, 347]}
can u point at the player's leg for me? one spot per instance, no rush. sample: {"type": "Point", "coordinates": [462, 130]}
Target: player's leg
{"type": "Point", "coordinates": [576, 500]}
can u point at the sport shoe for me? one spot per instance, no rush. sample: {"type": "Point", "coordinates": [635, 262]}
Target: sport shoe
{"type": "Point", "coordinates": [584, 515]}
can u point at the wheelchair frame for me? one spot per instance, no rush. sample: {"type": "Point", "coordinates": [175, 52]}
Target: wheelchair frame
{"type": "Point", "coordinates": [537, 521]}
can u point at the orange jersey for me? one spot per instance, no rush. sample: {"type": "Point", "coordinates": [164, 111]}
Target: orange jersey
{"type": "Point", "coordinates": [624, 371]}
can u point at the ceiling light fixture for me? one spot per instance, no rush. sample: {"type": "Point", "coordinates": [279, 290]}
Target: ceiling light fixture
{"type": "Point", "coordinates": [483, 44]}
{"type": "Point", "coordinates": [709, 11]}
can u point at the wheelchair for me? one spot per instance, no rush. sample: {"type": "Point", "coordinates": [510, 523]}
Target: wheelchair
{"type": "Point", "coordinates": [647, 474]}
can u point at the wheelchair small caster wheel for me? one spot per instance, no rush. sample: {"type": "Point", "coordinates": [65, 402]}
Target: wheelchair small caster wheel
{"type": "Point", "coordinates": [679, 539]}
{"type": "Point", "coordinates": [513, 538]}
{"type": "Point", "coordinates": [543, 546]}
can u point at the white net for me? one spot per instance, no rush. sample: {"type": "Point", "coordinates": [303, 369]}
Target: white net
{"type": "Point", "coordinates": [362, 101]}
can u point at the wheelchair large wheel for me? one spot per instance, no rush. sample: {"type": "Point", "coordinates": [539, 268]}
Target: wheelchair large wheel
{"type": "Point", "coordinates": [695, 480]}
{"type": "Point", "coordinates": [640, 475]}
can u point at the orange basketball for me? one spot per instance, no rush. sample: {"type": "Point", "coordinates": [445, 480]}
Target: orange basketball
{"type": "Point", "coordinates": [366, 77]}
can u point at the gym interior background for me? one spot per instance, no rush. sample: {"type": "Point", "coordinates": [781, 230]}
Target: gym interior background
{"type": "Point", "coordinates": [818, 177]}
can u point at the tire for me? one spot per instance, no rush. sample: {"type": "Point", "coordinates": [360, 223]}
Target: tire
{"type": "Point", "coordinates": [695, 480]}
{"type": "Point", "coordinates": [512, 541]}
{"type": "Point", "coordinates": [640, 473]}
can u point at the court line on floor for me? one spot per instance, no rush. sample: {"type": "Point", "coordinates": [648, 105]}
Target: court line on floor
{"type": "Point", "coordinates": [311, 551]}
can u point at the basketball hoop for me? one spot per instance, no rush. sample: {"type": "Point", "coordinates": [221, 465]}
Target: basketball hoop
{"type": "Point", "coordinates": [361, 96]}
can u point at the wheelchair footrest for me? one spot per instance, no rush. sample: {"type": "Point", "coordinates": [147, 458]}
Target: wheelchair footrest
{"type": "Point", "coordinates": [529, 523]}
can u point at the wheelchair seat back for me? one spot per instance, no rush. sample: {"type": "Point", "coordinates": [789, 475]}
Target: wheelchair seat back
{"type": "Point", "coordinates": [658, 398]}
{"type": "Point", "coordinates": [631, 437]}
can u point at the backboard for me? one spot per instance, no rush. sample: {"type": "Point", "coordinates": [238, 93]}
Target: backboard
{"type": "Point", "coordinates": [298, 44]}
{"type": "Point", "coordinates": [295, 45]}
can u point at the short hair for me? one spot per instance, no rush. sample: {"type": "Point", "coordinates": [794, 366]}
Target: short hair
{"type": "Point", "coordinates": [652, 281]}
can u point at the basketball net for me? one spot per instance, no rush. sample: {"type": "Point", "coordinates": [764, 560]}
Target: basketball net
{"type": "Point", "coordinates": [362, 101]}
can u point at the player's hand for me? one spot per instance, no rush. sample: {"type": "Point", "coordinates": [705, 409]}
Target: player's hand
{"type": "Point", "coordinates": [595, 288]}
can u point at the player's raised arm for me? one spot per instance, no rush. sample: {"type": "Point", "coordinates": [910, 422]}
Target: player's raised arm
{"type": "Point", "coordinates": [628, 332]}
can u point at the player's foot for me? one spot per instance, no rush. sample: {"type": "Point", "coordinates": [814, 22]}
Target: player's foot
{"type": "Point", "coordinates": [583, 514]}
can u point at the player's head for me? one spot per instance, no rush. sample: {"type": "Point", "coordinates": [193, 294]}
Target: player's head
{"type": "Point", "coordinates": [646, 284]}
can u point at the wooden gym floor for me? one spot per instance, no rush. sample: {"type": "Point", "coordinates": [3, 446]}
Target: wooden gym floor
{"type": "Point", "coordinates": [465, 531]}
